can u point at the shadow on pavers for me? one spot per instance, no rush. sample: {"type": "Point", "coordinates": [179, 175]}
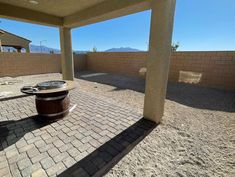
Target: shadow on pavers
{"type": "Point", "coordinates": [14, 97]}
{"type": "Point", "coordinates": [100, 161]}
{"type": "Point", "coordinates": [13, 130]}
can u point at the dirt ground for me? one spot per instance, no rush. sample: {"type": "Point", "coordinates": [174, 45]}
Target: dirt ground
{"type": "Point", "coordinates": [196, 136]}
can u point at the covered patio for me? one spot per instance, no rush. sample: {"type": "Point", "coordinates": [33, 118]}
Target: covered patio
{"type": "Point", "coordinates": [98, 132]}
{"type": "Point", "coordinates": [70, 14]}
{"type": "Point", "coordinates": [104, 134]}
{"type": "Point", "coordinates": [94, 137]}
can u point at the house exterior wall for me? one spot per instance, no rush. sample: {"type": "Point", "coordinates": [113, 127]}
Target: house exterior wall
{"type": "Point", "coordinates": [14, 41]}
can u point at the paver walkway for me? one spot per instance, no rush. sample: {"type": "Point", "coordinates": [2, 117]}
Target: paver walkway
{"type": "Point", "coordinates": [81, 141]}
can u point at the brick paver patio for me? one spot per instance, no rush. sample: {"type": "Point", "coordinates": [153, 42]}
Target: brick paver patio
{"type": "Point", "coordinates": [87, 142]}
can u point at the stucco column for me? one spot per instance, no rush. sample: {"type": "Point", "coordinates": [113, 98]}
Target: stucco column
{"type": "Point", "coordinates": [66, 54]}
{"type": "Point", "coordinates": [158, 59]}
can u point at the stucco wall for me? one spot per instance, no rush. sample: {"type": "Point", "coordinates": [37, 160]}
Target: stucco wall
{"type": "Point", "coordinates": [211, 69]}
{"type": "Point", "coordinates": [18, 64]}
{"type": "Point", "coordinates": [8, 39]}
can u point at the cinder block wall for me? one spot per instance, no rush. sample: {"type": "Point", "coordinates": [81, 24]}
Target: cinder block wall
{"type": "Point", "coordinates": [19, 64]}
{"type": "Point", "coordinates": [216, 69]}
{"type": "Point", "coordinates": [79, 62]}
{"type": "Point", "coordinates": [127, 63]}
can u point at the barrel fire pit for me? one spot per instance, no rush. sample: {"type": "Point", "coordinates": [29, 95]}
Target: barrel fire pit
{"type": "Point", "coordinates": [51, 98]}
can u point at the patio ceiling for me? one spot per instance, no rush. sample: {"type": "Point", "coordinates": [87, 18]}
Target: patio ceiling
{"type": "Point", "coordinates": [69, 13]}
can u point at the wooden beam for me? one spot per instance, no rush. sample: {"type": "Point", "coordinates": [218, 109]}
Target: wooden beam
{"type": "Point", "coordinates": [27, 15]}
{"type": "Point", "coordinates": [104, 11]}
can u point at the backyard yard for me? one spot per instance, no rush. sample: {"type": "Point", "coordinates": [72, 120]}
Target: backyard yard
{"type": "Point", "coordinates": [110, 112]}
{"type": "Point", "coordinates": [106, 133]}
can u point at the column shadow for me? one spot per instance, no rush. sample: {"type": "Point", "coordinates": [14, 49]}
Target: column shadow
{"type": "Point", "coordinates": [100, 161]}
{"type": "Point", "coordinates": [187, 94]}
{"type": "Point", "coordinates": [121, 82]}
{"type": "Point", "coordinates": [13, 130]}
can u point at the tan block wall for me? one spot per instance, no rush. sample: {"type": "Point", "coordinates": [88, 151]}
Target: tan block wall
{"type": "Point", "coordinates": [216, 69]}
{"type": "Point", "coordinates": [80, 62]}
{"type": "Point", "coordinates": [127, 63]}
{"type": "Point", "coordinates": [19, 64]}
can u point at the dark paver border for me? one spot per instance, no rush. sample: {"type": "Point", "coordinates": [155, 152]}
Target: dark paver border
{"type": "Point", "coordinates": [100, 161]}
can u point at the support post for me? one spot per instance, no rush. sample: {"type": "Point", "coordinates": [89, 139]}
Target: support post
{"type": "Point", "coordinates": [158, 60]}
{"type": "Point", "coordinates": [66, 54]}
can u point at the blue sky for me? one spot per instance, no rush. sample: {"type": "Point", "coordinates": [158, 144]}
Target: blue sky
{"type": "Point", "coordinates": [199, 25]}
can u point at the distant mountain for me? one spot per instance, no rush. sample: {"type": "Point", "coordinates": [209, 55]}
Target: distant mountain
{"type": "Point", "coordinates": [122, 49]}
{"type": "Point", "coordinates": [43, 49]}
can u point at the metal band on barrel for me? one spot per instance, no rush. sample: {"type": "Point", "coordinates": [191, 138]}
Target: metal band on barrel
{"type": "Point", "coordinates": [54, 114]}
{"type": "Point", "coordinates": [51, 98]}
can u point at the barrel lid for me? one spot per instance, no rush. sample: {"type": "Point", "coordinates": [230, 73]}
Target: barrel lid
{"type": "Point", "coordinates": [51, 85]}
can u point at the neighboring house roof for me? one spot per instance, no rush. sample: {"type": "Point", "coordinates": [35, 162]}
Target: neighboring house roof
{"type": "Point", "coordinates": [3, 32]}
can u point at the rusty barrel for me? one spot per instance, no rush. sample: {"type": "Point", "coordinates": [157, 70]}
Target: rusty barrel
{"type": "Point", "coordinates": [53, 105]}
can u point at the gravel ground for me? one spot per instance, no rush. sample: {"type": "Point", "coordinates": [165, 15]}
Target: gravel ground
{"type": "Point", "coordinates": [10, 86]}
{"type": "Point", "coordinates": [195, 138]}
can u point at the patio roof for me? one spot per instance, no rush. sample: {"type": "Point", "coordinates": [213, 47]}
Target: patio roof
{"type": "Point", "coordinates": [69, 13]}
